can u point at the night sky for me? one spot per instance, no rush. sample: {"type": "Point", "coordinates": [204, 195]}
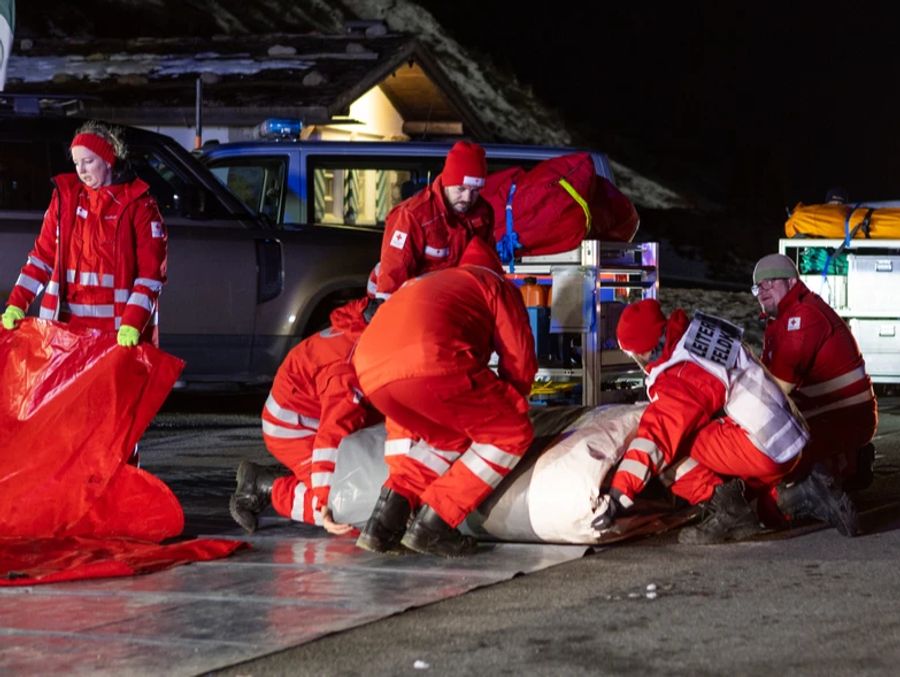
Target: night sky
{"type": "Point", "coordinates": [754, 109]}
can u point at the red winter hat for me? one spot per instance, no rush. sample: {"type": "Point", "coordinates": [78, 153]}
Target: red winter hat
{"type": "Point", "coordinates": [97, 144]}
{"type": "Point", "coordinates": [640, 326]}
{"type": "Point", "coordinates": [480, 253]}
{"type": "Point", "coordinates": [465, 165]}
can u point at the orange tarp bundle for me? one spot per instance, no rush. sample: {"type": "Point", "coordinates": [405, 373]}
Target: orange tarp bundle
{"type": "Point", "coordinates": [830, 221]}
{"type": "Point", "coordinates": [72, 407]}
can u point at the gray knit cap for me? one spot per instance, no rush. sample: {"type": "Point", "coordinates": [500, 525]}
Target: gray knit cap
{"type": "Point", "coordinates": [774, 267]}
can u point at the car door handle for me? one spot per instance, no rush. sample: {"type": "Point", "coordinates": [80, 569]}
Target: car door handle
{"type": "Point", "coordinates": [270, 269]}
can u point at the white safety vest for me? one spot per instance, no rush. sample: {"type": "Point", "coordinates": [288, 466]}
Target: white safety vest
{"type": "Point", "coordinates": [753, 399]}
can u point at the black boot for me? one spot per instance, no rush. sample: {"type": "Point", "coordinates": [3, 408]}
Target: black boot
{"type": "Point", "coordinates": [818, 497]}
{"type": "Point", "coordinates": [252, 495]}
{"type": "Point", "coordinates": [727, 516]}
{"type": "Point", "coordinates": [865, 470]}
{"type": "Point", "coordinates": [430, 534]}
{"type": "Point", "coordinates": [386, 524]}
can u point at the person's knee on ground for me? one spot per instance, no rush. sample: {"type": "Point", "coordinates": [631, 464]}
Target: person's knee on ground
{"type": "Point", "coordinates": [252, 494]}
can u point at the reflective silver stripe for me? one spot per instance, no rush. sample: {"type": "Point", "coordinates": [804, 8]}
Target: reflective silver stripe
{"type": "Point", "coordinates": [297, 508]}
{"type": "Point", "coordinates": [324, 455]}
{"type": "Point", "coordinates": [321, 479]}
{"type": "Point", "coordinates": [836, 383]}
{"type": "Point", "coordinates": [118, 322]}
{"type": "Point", "coordinates": [91, 279]}
{"type": "Point", "coordinates": [859, 398]}
{"type": "Point", "coordinates": [53, 288]}
{"type": "Point", "coordinates": [430, 458]}
{"type": "Point", "coordinates": [275, 430]}
{"type": "Point", "coordinates": [150, 283]}
{"type": "Point", "coordinates": [437, 253]}
{"type": "Point", "coordinates": [397, 447]}
{"type": "Point", "coordinates": [280, 412]}
{"type": "Point", "coordinates": [141, 300]}
{"type": "Point", "coordinates": [46, 314]}
{"type": "Point", "coordinates": [685, 467]}
{"type": "Point", "coordinates": [288, 416]}
{"type": "Point", "coordinates": [35, 261]}
{"type": "Point", "coordinates": [494, 454]}
{"type": "Point", "coordinates": [648, 447]}
{"type": "Point", "coordinates": [636, 468]}
{"type": "Point", "coordinates": [480, 468]}
{"type": "Point", "coordinates": [121, 295]}
{"type": "Point", "coordinates": [384, 296]}
{"type": "Point", "coordinates": [32, 285]}
{"type": "Point", "coordinates": [625, 501]}
{"type": "Point", "coordinates": [90, 310]}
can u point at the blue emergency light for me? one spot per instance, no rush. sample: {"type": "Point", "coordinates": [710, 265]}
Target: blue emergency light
{"type": "Point", "coordinates": [279, 129]}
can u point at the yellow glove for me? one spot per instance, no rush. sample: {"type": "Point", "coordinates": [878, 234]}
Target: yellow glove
{"type": "Point", "coordinates": [128, 336]}
{"type": "Point", "coordinates": [12, 316]}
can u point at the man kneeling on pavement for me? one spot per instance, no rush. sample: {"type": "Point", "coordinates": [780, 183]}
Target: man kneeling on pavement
{"type": "Point", "coordinates": [714, 413]}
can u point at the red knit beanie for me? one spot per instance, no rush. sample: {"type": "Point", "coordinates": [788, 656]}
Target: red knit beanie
{"type": "Point", "coordinates": [465, 165]}
{"type": "Point", "coordinates": [96, 144]}
{"type": "Point", "coordinates": [640, 326]}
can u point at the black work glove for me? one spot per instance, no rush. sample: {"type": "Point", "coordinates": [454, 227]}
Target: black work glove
{"type": "Point", "coordinates": [371, 308]}
{"type": "Point", "coordinates": [605, 519]}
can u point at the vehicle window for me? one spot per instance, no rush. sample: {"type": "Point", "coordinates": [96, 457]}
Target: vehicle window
{"type": "Point", "coordinates": [259, 182]}
{"type": "Point", "coordinates": [361, 191]}
{"type": "Point", "coordinates": [25, 175]}
{"type": "Point", "coordinates": [167, 185]}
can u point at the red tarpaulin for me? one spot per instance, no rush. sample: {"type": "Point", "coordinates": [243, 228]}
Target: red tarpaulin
{"type": "Point", "coordinates": [72, 407]}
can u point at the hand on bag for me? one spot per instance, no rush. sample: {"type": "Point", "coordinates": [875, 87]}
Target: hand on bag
{"type": "Point", "coordinates": [12, 316]}
{"type": "Point", "coordinates": [128, 336]}
{"type": "Point", "coordinates": [333, 527]}
{"type": "Point", "coordinates": [609, 509]}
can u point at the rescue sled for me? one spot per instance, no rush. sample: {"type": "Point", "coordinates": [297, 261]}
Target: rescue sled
{"type": "Point", "coordinates": [843, 221]}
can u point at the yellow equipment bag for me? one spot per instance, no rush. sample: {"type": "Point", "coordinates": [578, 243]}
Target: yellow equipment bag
{"type": "Point", "coordinates": [831, 221]}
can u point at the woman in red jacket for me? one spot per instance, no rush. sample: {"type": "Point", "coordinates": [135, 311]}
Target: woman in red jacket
{"type": "Point", "coordinates": [100, 257]}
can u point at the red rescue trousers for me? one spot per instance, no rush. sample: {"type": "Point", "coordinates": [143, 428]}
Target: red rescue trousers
{"type": "Point", "coordinates": [722, 448]}
{"type": "Point", "coordinates": [836, 438]}
{"type": "Point", "coordinates": [475, 426]}
{"type": "Point", "coordinates": [290, 497]}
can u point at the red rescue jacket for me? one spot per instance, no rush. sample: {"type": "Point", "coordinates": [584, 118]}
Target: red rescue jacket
{"type": "Point", "coordinates": [102, 252]}
{"type": "Point", "coordinates": [316, 394]}
{"type": "Point", "coordinates": [811, 347]}
{"type": "Point", "coordinates": [449, 322]}
{"type": "Point", "coordinates": [422, 235]}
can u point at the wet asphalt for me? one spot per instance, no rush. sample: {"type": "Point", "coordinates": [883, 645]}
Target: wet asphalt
{"type": "Point", "coordinates": [806, 602]}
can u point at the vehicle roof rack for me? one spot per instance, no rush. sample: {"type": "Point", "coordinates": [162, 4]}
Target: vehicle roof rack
{"type": "Point", "coordinates": [36, 104]}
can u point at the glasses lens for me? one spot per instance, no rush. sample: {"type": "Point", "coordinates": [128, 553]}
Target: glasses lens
{"type": "Point", "coordinates": [755, 290]}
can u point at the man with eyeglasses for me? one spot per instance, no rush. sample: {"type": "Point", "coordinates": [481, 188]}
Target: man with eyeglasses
{"type": "Point", "coordinates": [813, 356]}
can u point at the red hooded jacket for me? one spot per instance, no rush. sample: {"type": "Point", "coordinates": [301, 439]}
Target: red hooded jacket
{"type": "Point", "coordinates": [315, 389]}
{"type": "Point", "coordinates": [449, 322]}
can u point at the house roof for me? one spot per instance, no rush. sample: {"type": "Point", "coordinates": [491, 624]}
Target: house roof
{"type": "Point", "coordinates": [311, 76]}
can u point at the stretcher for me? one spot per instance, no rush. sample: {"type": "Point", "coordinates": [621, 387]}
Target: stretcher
{"type": "Point", "coordinates": [551, 496]}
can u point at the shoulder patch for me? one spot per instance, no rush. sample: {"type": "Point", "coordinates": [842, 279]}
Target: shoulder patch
{"type": "Point", "coordinates": [156, 229]}
{"type": "Point", "coordinates": [793, 323]}
{"type": "Point", "coordinates": [398, 239]}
